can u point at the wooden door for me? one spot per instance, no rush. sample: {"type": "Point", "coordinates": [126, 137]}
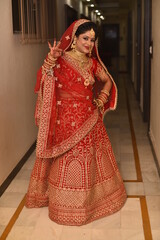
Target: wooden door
{"type": "Point", "coordinates": [109, 47]}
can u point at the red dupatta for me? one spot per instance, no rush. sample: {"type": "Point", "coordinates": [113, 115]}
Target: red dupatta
{"type": "Point", "coordinates": [45, 114]}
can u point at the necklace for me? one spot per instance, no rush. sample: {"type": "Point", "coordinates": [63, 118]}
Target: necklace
{"type": "Point", "coordinates": [81, 60]}
{"type": "Point", "coordinates": [79, 56]}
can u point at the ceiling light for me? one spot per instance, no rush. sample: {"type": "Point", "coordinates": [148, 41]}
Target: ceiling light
{"type": "Point", "coordinates": [88, 0]}
{"type": "Point", "coordinates": [101, 17]}
{"type": "Point", "coordinates": [99, 13]}
{"type": "Point", "coordinates": [96, 11]}
{"type": "Point", "coordinates": [92, 5]}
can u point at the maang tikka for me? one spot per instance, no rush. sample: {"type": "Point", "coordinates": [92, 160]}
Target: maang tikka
{"type": "Point", "coordinates": [92, 32]}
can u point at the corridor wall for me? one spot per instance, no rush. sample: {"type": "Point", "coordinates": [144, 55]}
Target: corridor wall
{"type": "Point", "coordinates": [18, 66]}
{"type": "Point", "coordinates": [155, 80]}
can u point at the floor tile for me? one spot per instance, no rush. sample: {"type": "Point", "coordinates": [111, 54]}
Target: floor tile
{"type": "Point", "coordinates": [131, 219]}
{"type": "Point", "coordinates": [132, 204]}
{"type": "Point", "coordinates": [154, 219]}
{"type": "Point", "coordinates": [133, 188]}
{"type": "Point", "coordinates": [20, 186]}
{"type": "Point", "coordinates": [152, 188]}
{"type": "Point", "coordinates": [151, 176]}
{"type": "Point", "coordinates": [128, 170]}
{"type": "Point", "coordinates": [156, 234]}
{"type": "Point", "coordinates": [153, 203]}
{"type": "Point", "coordinates": [104, 234]}
{"type": "Point", "coordinates": [2, 227]}
{"type": "Point", "coordinates": [11, 199]}
{"type": "Point", "coordinates": [108, 222]}
{"type": "Point", "coordinates": [21, 233]}
{"type": "Point", "coordinates": [28, 217]}
{"type": "Point", "coordinates": [77, 233]}
{"type": "Point", "coordinates": [5, 215]}
{"type": "Point", "coordinates": [127, 157]}
{"type": "Point", "coordinates": [130, 234]}
{"type": "Point", "coordinates": [24, 174]}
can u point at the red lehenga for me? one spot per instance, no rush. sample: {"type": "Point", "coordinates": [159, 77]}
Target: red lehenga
{"type": "Point", "coordinates": [75, 173]}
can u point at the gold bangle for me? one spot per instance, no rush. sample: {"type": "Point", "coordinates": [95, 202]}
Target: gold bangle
{"type": "Point", "coordinates": [51, 57]}
{"type": "Point", "coordinates": [99, 103]}
{"type": "Point", "coordinates": [105, 91]}
{"type": "Point", "coordinates": [103, 98]}
{"type": "Point", "coordinates": [46, 62]}
{"type": "Point", "coordinates": [101, 106]}
{"type": "Point", "coordinates": [50, 60]}
{"type": "Point", "coordinates": [47, 67]}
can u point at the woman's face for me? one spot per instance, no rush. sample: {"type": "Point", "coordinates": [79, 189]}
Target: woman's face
{"type": "Point", "coordinates": [85, 42]}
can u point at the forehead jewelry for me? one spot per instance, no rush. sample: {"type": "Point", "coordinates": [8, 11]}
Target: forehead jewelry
{"type": "Point", "coordinates": [92, 32]}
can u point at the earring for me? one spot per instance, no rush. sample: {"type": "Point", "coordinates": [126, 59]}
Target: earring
{"type": "Point", "coordinates": [73, 46]}
{"type": "Point", "coordinates": [90, 52]}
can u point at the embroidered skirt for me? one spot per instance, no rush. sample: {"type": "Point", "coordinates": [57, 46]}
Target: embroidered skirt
{"type": "Point", "coordinates": [81, 185]}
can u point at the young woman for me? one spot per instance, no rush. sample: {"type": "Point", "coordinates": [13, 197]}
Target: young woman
{"type": "Point", "coordinates": [75, 173]}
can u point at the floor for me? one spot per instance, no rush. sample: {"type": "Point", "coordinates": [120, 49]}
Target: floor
{"type": "Point", "coordinates": [139, 219]}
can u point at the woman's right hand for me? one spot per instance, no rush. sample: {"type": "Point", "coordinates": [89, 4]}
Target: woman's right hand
{"type": "Point", "coordinates": [55, 51]}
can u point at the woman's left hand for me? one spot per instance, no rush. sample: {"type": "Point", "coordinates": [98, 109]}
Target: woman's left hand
{"type": "Point", "coordinates": [99, 105]}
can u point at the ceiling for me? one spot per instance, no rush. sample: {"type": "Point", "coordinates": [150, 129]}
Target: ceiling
{"type": "Point", "coordinates": [111, 7]}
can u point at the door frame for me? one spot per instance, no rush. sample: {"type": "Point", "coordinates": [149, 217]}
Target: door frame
{"type": "Point", "coordinates": [147, 61]}
{"type": "Point", "coordinates": [139, 32]}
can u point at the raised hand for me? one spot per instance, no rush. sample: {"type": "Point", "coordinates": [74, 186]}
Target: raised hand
{"type": "Point", "coordinates": [55, 51]}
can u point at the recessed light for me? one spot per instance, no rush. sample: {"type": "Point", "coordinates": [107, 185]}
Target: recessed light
{"type": "Point", "coordinates": [102, 17]}
{"type": "Point", "coordinates": [92, 5]}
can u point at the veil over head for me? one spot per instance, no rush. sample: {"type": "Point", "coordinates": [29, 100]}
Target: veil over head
{"type": "Point", "coordinates": [68, 36]}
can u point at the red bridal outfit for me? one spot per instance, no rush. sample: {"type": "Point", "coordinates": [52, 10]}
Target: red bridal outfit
{"type": "Point", "coordinates": [75, 173]}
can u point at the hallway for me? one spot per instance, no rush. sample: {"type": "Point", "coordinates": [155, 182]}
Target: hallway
{"type": "Point", "coordinates": [139, 219]}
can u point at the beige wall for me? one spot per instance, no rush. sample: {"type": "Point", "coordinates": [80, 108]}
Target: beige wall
{"type": "Point", "coordinates": [155, 80]}
{"type": "Point", "coordinates": [18, 67]}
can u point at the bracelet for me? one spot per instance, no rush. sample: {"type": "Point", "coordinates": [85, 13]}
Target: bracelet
{"type": "Point", "coordinates": [98, 102]}
{"type": "Point", "coordinates": [46, 67]}
{"type": "Point", "coordinates": [100, 105]}
{"type": "Point", "coordinates": [103, 98]}
{"type": "Point", "coordinates": [47, 63]}
{"type": "Point", "coordinates": [50, 57]}
{"type": "Point", "coordinates": [105, 91]}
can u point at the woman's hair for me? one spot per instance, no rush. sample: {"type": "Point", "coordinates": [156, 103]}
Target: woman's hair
{"type": "Point", "coordinates": [87, 26]}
